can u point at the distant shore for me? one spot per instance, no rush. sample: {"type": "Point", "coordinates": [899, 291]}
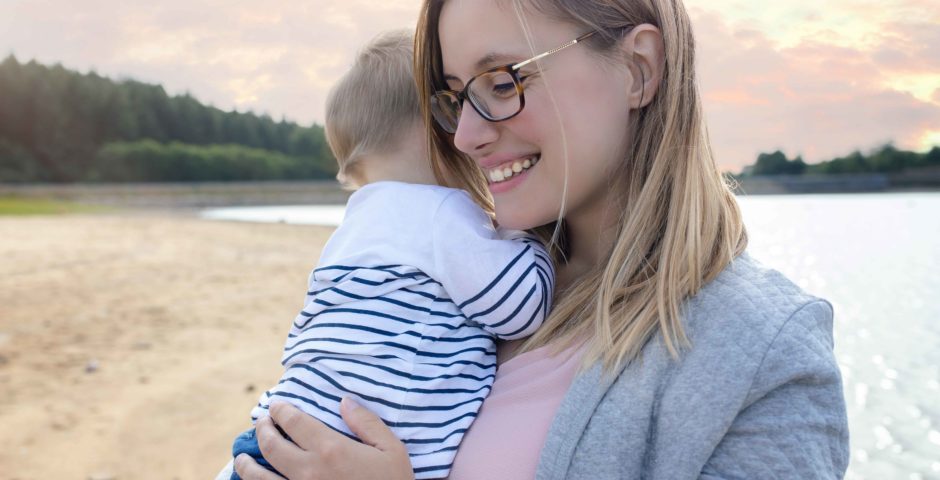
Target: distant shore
{"type": "Point", "coordinates": [194, 196]}
{"type": "Point", "coordinates": [919, 180]}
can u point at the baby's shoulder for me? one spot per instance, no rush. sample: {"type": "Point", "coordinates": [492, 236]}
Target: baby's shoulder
{"type": "Point", "coordinates": [400, 202]}
{"type": "Point", "coordinates": [422, 191]}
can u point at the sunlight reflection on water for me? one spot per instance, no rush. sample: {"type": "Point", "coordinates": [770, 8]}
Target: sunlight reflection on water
{"type": "Point", "coordinates": [876, 257]}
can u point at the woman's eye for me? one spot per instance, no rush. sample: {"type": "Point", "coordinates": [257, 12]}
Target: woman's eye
{"type": "Point", "coordinates": [504, 89]}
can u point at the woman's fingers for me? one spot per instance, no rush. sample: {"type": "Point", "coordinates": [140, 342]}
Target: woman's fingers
{"type": "Point", "coordinates": [288, 458]}
{"type": "Point", "coordinates": [305, 431]}
{"type": "Point", "coordinates": [368, 426]}
{"type": "Point", "coordinates": [248, 469]}
{"type": "Point", "coordinates": [378, 442]}
{"type": "Point", "coordinates": [322, 453]}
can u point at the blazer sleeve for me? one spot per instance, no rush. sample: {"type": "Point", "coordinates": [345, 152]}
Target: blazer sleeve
{"type": "Point", "coordinates": [503, 285]}
{"type": "Point", "coordinates": [793, 423]}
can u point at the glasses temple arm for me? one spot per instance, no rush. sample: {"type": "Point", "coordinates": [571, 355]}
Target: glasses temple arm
{"type": "Point", "coordinates": [554, 50]}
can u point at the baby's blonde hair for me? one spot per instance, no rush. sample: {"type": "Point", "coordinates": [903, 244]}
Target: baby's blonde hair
{"type": "Point", "coordinates": [373, 104]}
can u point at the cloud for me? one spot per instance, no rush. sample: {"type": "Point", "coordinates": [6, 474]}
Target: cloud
{"type": "Point", "coordinates": [812, 79]}
{"type": "Point", "coordinates": [814, 95]}
{"type": "Point", "coordinates": [269, 56]}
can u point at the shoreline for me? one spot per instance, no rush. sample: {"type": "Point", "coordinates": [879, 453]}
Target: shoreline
{"type": "Point", "coordinates": [196, 196]}
{"type": "Point", "coordinates": [927, 181]}
{"type": "Point", "coordinates": [191, 196]}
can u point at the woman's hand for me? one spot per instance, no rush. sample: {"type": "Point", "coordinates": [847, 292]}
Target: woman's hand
{"type": "Point", "coordinates": [319, 452]}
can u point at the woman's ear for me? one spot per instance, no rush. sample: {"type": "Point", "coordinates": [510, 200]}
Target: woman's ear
{"type": "Point", "coordinates": [644, 53]}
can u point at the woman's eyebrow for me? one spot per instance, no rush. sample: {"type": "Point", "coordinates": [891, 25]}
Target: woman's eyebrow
{"type": "Point", "coordinates": [493, 59]}
{"type": "Point", "coordinates": [489, 60]}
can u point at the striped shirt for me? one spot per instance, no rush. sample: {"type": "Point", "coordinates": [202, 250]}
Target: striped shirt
{"type": "Point", "coordinates": [402, 312]}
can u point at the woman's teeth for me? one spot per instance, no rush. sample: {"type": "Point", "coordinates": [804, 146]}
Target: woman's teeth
{"type": "Point", "coordinates": [506, 172]}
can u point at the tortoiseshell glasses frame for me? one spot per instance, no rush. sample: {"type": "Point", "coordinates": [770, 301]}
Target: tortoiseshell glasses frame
{"type": "Point", "coordinates": [495, 94]}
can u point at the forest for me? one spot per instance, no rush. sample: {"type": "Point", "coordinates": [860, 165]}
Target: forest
{"type": "Point", "coordinates": [58, 125]}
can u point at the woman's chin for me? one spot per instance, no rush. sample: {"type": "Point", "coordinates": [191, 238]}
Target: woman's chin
{"type": "Point", "coordinates": [521, 217]}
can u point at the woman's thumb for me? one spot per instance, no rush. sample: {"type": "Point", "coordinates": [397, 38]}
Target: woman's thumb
{"type": "Point", "coordinates": [367, 425]}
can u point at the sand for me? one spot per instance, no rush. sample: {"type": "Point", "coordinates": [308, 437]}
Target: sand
{"type": "Point", "coordinates": [133, 345]}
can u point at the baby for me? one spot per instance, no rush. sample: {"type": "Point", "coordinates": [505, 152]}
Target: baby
{"type": "Point", "coordinates": [413, 288]}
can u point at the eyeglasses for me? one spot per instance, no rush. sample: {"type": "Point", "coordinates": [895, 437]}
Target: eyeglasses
{"type": "Point", "coordinates": [496, 94]}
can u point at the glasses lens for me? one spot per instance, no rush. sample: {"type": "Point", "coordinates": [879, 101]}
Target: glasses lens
{"type": "Point", "coordinates": [495, 95]}
{"type": "Point", "coordinates": [445, 106]}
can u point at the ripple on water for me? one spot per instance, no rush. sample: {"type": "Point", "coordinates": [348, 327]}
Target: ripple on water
{"type": "Point", "coordinates": [883, 438]}
{"type": "Point", "coordinates": [861, 395]}
{"type": "Point", "coordinates": [934, 437]}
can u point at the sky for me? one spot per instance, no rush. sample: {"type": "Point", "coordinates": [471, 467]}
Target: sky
{"type": "Point", "coordinates": [817, 79]}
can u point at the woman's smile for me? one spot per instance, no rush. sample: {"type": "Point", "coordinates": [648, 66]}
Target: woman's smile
{"type": "Point", "coordinates": [504, 172]}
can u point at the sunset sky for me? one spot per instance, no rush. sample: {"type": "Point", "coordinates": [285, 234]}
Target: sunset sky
{"type": "Point", "coordinates": [813, 78]}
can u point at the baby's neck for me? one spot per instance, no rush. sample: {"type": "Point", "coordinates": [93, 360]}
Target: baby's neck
{"type": "Point", "coordinates": [400, 176]}
{"type": "Point", "coordinates": [406, 161]}
{"type": "Point", "coordinates": [402, 166]}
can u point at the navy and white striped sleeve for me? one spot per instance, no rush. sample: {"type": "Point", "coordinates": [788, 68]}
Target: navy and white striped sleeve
{"type": "Point", "coordinates": [504, 285]}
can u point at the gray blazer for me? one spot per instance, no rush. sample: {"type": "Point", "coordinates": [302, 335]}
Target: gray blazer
{"type": "Point", "coordinates": [758, 396]}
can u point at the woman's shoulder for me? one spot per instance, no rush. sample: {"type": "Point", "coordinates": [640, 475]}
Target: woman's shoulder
{"type": "Point", "coordinates": [749, 304]}
{"type": "Point", "coordinates": [759, 344]}
{"type": "Point", "coordinates": [749, 284]}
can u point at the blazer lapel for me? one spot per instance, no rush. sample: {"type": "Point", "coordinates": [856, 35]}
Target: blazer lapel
{"type": "Point", "coordinates": [570, 421]}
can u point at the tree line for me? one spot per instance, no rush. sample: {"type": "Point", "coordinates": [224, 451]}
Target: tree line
{"type": "Point", "coordinates": [886, 160]}
{"type": "Point", "coordinates": [58, 125]}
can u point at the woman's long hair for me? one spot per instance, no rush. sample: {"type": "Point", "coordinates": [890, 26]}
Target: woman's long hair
{"type": "Point", "coordinates": [680, 224]}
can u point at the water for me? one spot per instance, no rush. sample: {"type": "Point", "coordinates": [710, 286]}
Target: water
{"type": "Point", "coordinates": [327, 215]}
{"type": "Point", "coordinates": [876, 257]}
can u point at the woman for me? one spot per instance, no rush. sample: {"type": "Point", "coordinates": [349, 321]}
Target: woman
{"type": "Point", "coordinates": [698, 362]}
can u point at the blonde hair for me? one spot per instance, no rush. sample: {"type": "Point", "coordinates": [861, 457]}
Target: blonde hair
{"type": "Point", "coordinates": [372, 105]}
{"type": "Point", "coordinates": [680, 224]}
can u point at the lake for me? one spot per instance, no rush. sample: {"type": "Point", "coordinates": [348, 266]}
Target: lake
{"type": "Point", "coordinates": [876, 257]}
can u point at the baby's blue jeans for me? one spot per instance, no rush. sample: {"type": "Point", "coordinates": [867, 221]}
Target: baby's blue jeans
{"type": "Point", "coordinates": [247, 442]}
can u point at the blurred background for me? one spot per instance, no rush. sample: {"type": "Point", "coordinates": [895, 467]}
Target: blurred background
{"type": "Point", "coordinates": [165, 187]}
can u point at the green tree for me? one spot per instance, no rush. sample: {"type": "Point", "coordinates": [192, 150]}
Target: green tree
{"type": "Point", "coordinates": [16, 164]}
{"type": "Point", "coordinates": [932, 158]}
{"type": "Point", "coordinates": [776, 163]}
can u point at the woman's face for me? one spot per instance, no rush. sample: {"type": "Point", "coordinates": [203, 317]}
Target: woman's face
{"type": "Point", "coordinates": [576, 112]}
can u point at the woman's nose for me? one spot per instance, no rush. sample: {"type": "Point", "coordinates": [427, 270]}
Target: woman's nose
{"type": "Point", "coordinates": [473, 131]}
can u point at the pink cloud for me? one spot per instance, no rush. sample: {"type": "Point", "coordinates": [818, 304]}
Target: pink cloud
{"type": "Point", "coordinates": [280, 54]}
{"type": "Point", "coordinates": [814, 98]}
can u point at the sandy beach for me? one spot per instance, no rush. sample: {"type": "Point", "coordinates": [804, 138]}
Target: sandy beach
{"type": "Point", "coordinates": [133, 345]}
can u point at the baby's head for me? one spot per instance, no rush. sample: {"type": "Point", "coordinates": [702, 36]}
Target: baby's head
{"type": "Point", "coordinates": [373, 122]}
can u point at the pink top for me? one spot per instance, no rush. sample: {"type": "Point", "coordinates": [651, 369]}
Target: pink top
{"type": "Point", "coordinates": [506, 438]}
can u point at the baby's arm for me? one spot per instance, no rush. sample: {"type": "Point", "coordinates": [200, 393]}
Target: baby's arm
{"type": "Point", "coordinates": [501, 280]}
